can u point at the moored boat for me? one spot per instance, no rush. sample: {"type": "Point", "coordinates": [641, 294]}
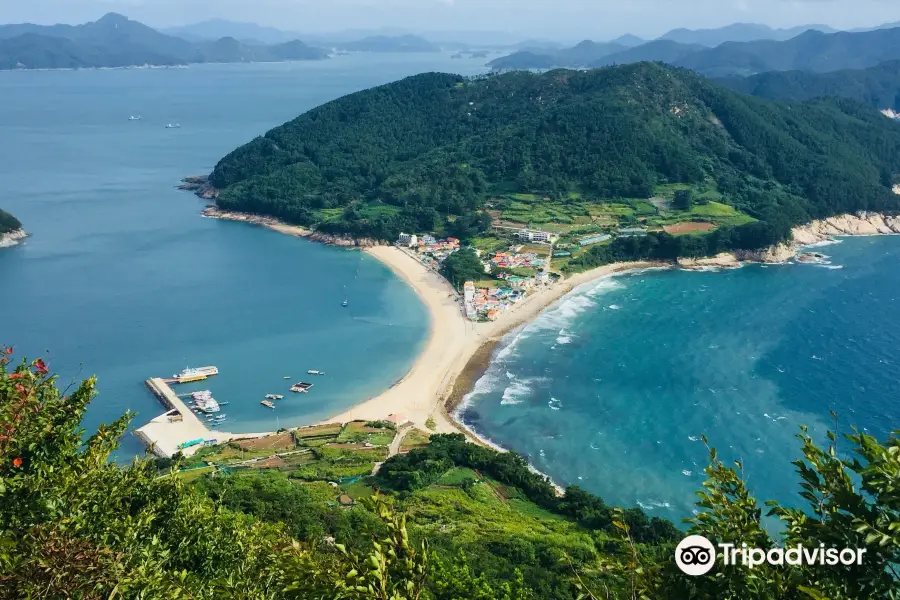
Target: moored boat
{"type": "Point", "coordinates": [268, 404]}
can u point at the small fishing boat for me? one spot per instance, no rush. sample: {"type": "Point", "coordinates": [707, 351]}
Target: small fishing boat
{"type": "Point", "coordinates": [287, 376]}
{"type": "Point", "coordinates": [173, 126]}
{"type": "Point", "coordinates": [267, 404]}
{"type": "Point", "coordinates": [134, 118]}
{"type": "Point", "coordinates": [344, 303]}
{"type": "Point", "coordinates": [274, 396]}
{"type": "Point", "coordinates": [314, 372]}
{"type": "Point", "coordinates": [301, 387]}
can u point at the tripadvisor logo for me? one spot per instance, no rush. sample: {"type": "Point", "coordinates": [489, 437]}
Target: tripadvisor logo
{"type": "Point", "coordinates": [696, 555]}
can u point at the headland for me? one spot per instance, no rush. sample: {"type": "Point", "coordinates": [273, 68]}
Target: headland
{"type": "Point", "coordinates": [458, 350]}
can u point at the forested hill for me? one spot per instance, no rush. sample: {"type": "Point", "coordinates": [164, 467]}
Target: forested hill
{"type": "Point", "coordinates": [878, 86]}
{"type": "Point", "coordinates": [8, 222]}
{"type": "Point", "coordinates": [408, 154]}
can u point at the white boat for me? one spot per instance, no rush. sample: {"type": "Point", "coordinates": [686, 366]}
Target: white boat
{"type": "Point", "coordinates": [173, 126]}
{"type": "Point", "coordinates": [314, 372]}
{"type": "Point", "coordinates": [205, 402]}
{"type": "Point", "coordinates": [344, 303]}
{"type": "Point", "coordinates": [195, 374]}
{"type": "Point", "coordinates": [134, 118]}
{"type": "Point", "coordinates": [274, 397]}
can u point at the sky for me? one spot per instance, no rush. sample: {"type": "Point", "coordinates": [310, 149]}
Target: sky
{"type": "Point", "coordinates": [552, 19]}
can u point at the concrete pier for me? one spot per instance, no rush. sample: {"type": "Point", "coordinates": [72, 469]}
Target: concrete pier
{"type": "Point", "coordinates": [178, 425]}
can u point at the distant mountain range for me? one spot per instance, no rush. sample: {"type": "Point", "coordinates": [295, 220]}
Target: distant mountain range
{"type": "Point", "coordinates": [216, 29]}
{"type": "Point", "coordinates": [738, 32]}
{"type": "Point", "coordinates": [116, 41]}
{"type": "Point", "coordinates": [810, 51]}
{"type": "Point", "coordinates": [877, 86]}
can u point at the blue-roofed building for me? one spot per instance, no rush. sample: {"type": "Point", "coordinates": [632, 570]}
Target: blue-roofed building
{"type": "Point", "coordinates": [594, 239]}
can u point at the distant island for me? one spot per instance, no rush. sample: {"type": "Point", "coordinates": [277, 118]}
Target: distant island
{"type": "Point", "coordinates": [11, 231]}
{"type": "Point", "coordinates": [384, 43]}
{"type": "Point", "coordinates": [580, 152]}
{"type": "Point", "coordinates": [116, 41]}
{"type": "Point", "coordinates": [811, 50]}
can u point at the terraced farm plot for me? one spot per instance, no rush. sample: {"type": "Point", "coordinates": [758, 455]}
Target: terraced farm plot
{"type": "Point", "coordinates": [414, 439]}
{"type": "Point", "coordinates": [283, 441]}
{"type": "Point", "coordinates": [680, 228]}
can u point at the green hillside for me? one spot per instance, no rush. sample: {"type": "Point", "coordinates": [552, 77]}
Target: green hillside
{"type": "Point", "coordinates": [410, 154]}
{"type": "Point", "coordinates": [8, 222]}
{"type": "Point", "coordinates": [296, 516]}
{"type": "Point", "coordinates": [878, 86]}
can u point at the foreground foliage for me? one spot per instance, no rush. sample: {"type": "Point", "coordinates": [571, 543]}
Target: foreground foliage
{"type": "Point", "coordinates": [459, 521]}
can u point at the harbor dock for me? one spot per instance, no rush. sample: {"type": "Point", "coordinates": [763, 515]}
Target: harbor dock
{"type": "Point", "coordinates": [178, 429]}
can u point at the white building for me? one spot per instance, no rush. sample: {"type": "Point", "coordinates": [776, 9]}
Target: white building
{"type": "Point", "coordinates": [469, 291]}
{"type": "Point", "coordinates": [534, 235]}
{"type": "Point", "coordinates": [543, 276]}
{"type": "Point", "coordinates": [408, 239]}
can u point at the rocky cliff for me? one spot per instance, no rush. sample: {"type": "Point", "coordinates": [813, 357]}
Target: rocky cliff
{"type": "Point", "coordinates": [12, 238]}
{"type": "Point", "coordinates": [863, 223]}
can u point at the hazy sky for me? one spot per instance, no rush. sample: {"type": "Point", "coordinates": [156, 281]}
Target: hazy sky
{"type": "Point", "coordinates": [596, 19]}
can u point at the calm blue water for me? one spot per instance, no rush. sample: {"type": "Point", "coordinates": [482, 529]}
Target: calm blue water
{"type": "Point", "coordinates": [122, 277]}
{"type": "Point", "coordinates": [612, 387]}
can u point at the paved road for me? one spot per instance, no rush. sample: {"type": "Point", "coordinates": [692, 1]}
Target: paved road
{"type": "Point", "coordinates": [394, 448]}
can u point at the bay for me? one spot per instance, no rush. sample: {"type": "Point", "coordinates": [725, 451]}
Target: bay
{"type": "Point", "coordinates": [611, 388]}
{"type": "Point", "coordinates": [124, 279]}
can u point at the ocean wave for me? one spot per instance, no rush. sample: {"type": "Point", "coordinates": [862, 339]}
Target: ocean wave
{"type": "Point", "coordinates": [562, 313]}
{"type": "Point", "coordinates": [822, 243]}
{"type": "Point", "coordinates": [653, 504]}
{"type": "Point", "coordinates": [554, 404]}
{"type": "Point", "coordinates": [614, 307]}
{"type": "Point", "coordinates": [636, 272]}
{"type": "Point", "coordinates": [831, 266]}
{"type": "Point", "coordinates": [519, 389]}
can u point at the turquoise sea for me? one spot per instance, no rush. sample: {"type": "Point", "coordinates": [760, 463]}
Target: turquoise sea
{"type": "Point", "coordinates": [611, 388]}
{"type": "Point", "coordinates": [124, 279]}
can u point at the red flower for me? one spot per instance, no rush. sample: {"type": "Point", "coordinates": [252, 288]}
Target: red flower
{"type": "Point", "coordinates": [16, 375]}
{"type": "Point", "coordinates": [9, 350]}
{"type": "Point", "coordinates": [17, 462]}
{"type": "Point", "coordinates": [20, 388]}
{"type": "Point", "coordinates": [41, 366]}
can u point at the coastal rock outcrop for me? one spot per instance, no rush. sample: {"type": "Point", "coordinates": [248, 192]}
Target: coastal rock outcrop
{"type": "Point", "coordinates": [339, 240]}
{"type": "Point", "coordinates": [773, 254]}
{"type": "Point", "coordinates": [200, 185]}
{"type": "Point", "coordinates": [724, 259]}
{"type": "Point", "coordinates": [11, 238]}
{"type": "Point", "coordinates": [863, 223]}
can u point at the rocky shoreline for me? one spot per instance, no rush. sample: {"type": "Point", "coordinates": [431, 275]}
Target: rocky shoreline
{"type": "Point", "coordinates": [12, 238]}
{"type": "Point", "coordinates": [214, 212]}
{"type": "Point", "coordinates": [862, 223]}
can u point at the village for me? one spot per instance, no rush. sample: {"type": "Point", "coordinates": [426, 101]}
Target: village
{"type": "Point", "coordinates": [510, 273]}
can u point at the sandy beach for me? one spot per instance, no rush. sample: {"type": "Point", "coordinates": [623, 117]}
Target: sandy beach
{"type": "Point", "coordinates": [453, 340]}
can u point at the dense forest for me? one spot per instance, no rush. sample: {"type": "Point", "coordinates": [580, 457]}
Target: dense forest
{"type": "Point", "coordinates": [415, 154]}
{"type": "Point", "coordinates": [877, 86]}
{"type": "Point", "coordinates": [8, 222]}
{"type": "Point", "coordinates": [74, 524]}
